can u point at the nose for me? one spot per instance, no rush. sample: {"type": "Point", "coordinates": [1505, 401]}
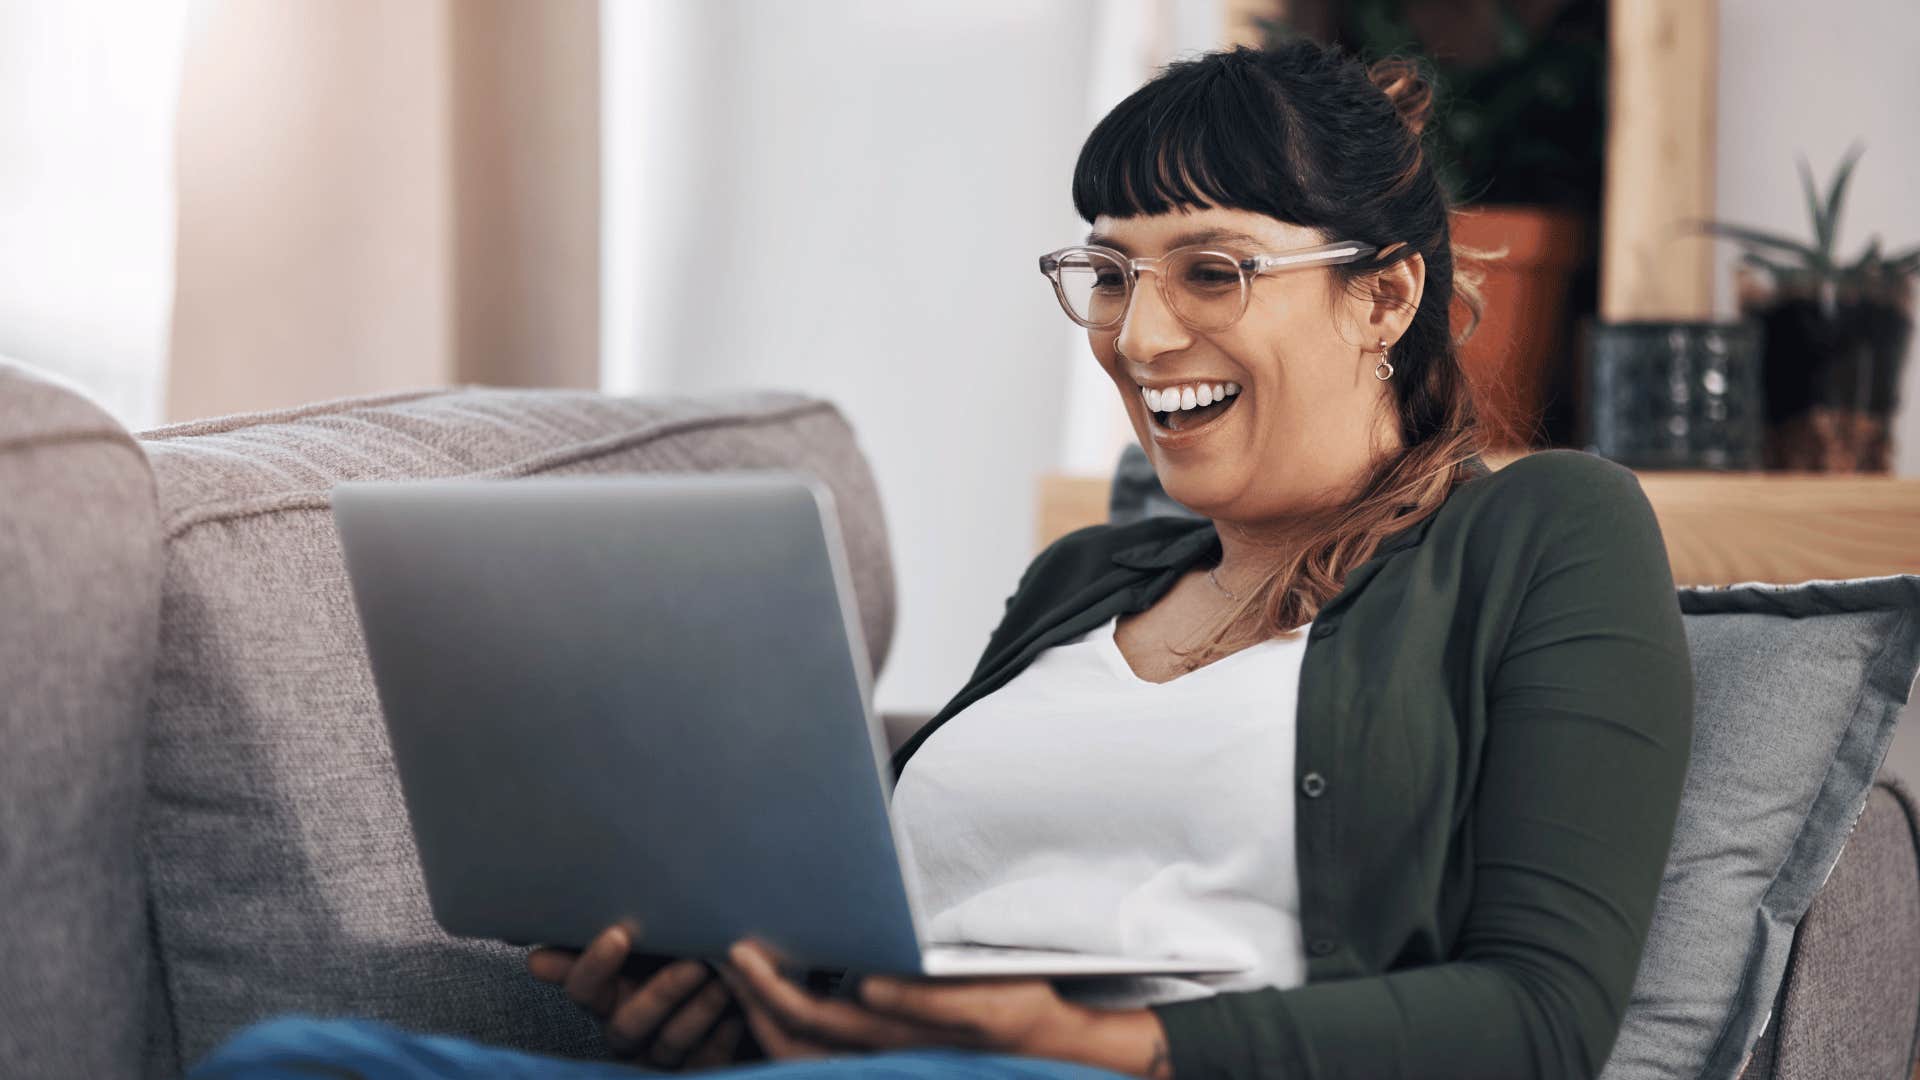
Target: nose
{"type": "Point", "coordinates": [1149, 327]}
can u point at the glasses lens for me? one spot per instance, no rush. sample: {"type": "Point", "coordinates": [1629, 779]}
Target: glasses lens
{"type": "Point", "coordinates": [1206, 289]}
{"type": "Point", "coordinates": [1093, 286]}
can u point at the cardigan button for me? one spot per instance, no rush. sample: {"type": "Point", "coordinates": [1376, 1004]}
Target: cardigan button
{"type": "Point", "coordinates": [1312, 784]}
{"type": "Point", "coordinates": [1321, 630]}
{"type": "Point", "coordinates": [1321, 946]}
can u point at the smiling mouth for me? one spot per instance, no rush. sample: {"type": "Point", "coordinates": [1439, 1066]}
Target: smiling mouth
{"type": "Point", "coordinates": [1173, 417]}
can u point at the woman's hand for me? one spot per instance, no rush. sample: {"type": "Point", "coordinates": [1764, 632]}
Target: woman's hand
{"type": "Point", "coordinates": [675, 1013]}
{"type": "Point", "coordinates": [1009, 1016]}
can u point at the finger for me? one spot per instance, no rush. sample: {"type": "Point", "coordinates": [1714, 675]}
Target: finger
{"type": "Point", "coordinates": [551, 965]}
{"type": "Point", "coordinates": [721, 1044]}
{"type": "Point", "coordinates": [775, 1041]}
{"type": "Point", "coordinates": [590, 982]}
{"type": "Point", "coordinates": [689, 1024]}
{"type": "Point", "coordinates": [955, 1005]}
{"type": "Point", "coordinates": [765, 1031]}
{"type": "Point", "coordinates": [636, 1016]}
{"type": "Point", "coordinates": [823, 1020]}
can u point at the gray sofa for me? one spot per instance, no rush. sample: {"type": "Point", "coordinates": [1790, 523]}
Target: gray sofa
{"type": "Point", "coordinates": [199, 825]}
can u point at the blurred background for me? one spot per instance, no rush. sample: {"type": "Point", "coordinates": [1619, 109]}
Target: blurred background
{"type": "Point", "coordinates": [216, 206]}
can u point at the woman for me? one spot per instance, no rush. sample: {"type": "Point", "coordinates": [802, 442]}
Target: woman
{"type": "Point", "coordinates": [1405, 735]}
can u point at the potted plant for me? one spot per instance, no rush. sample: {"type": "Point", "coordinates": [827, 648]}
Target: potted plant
{"type": "Point", "coordinates": [1836, 333]}
{"type": "Point", "coordinates": [1517, 140]}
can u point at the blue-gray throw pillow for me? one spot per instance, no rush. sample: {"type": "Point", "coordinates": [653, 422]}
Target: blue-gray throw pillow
{"type": "Point", "coordinates": [1798, 689]}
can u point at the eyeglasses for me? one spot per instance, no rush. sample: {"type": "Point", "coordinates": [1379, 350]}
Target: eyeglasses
{"type": "Point", "coordinates": [1206, 289]}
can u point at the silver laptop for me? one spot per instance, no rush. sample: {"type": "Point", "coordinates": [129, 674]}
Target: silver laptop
{"type": "Point", "coordinates": [647, 699]}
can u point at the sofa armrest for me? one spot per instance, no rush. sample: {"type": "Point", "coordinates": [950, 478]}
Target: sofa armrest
{"type": "Point", "coordinates": [1849, 1004]}
{"type": "Point", "coordinates": [80, 579]}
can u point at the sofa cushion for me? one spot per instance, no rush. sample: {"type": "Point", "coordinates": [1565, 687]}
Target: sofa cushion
{"type": "Point", "coordinates": [282, 869]}
{"type": "Point", "coordinates": [79, 598]}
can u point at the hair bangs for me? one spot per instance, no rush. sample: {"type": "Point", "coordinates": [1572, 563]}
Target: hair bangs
{"type": "Point", "coordinates": [1186, 141]}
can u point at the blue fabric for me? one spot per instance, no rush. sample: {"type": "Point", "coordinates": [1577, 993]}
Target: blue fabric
{"type": "Point", "coordinates": [299, 1048]}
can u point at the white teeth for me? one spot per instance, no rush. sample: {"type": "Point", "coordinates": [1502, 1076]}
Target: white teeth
{"type": "Point", "coordinates": [1182, 398]}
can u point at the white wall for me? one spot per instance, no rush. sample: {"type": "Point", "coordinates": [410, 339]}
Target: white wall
{"type": "Point", "coordinates": [87, 91]}
{"type": "Point", "coordinates": [849, 204]}
{"type": "Point", "coordinates": [848, 199]}
{"type": "Point", "coordinates": [1800, 77]}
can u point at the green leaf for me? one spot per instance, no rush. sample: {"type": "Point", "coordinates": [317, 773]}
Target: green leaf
{"type": "Point", "coordinates": [1836, 194]}
{"type": "Point", "coordinates": [1821, 239]}
{"type": "Point", "coordinates": [1757, 238]}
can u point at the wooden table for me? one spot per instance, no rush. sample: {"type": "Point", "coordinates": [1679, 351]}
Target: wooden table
{"type": "Point", "coordinates": [1720, 527]}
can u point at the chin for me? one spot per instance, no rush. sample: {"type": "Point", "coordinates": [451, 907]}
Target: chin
{"type": "Point", "coordinates": [1198, 493]}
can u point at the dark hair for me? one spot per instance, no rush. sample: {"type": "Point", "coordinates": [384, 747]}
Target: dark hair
{"type": "Point", "coordinates": [1308, 134]}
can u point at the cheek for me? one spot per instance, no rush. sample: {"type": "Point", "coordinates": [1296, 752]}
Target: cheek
{"type": "Point", "coordinates": [1116, 371]}
{"type": "Point", "coordinates": [1264, 369]}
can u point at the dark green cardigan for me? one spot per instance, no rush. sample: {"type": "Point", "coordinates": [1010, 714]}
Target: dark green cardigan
{"type": "Point", "coordinates": [1494, 720]}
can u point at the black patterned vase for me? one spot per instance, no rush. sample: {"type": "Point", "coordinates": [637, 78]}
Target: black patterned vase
{"type": "Point", "coordinates": [1674, 395]}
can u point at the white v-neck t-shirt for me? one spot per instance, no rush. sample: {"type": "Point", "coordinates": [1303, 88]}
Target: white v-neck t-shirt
{"type": "Point", "coordinates": [1082, 807]}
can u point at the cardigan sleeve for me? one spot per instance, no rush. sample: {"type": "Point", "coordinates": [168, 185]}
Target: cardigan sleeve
{"type": "Point", "coordinates": [1588, 732]}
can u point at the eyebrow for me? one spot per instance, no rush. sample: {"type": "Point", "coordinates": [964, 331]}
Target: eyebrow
{"type": "Point", "coordinates": [1202, 236]}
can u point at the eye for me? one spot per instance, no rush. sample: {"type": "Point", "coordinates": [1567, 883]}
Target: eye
{"type": "Point", "coordinates": [1110, 281]}
{"type": "Point", "coordinates": [1211, 275]}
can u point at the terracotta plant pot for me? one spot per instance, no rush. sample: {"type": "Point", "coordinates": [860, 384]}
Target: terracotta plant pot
{"type": "Point", "coordinates": [1511, 358]}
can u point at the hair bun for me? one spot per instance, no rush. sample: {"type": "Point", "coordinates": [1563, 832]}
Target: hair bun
{"type": "Point", "coordinates": [1407, 87]}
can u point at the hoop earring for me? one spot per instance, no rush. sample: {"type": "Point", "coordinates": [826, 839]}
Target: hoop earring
{"type": "Point", "coordinates": [1383, 377]}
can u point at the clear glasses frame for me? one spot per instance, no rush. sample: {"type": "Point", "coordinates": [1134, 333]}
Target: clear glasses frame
{"type": "Point", "coordinates": [1249, 267]}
